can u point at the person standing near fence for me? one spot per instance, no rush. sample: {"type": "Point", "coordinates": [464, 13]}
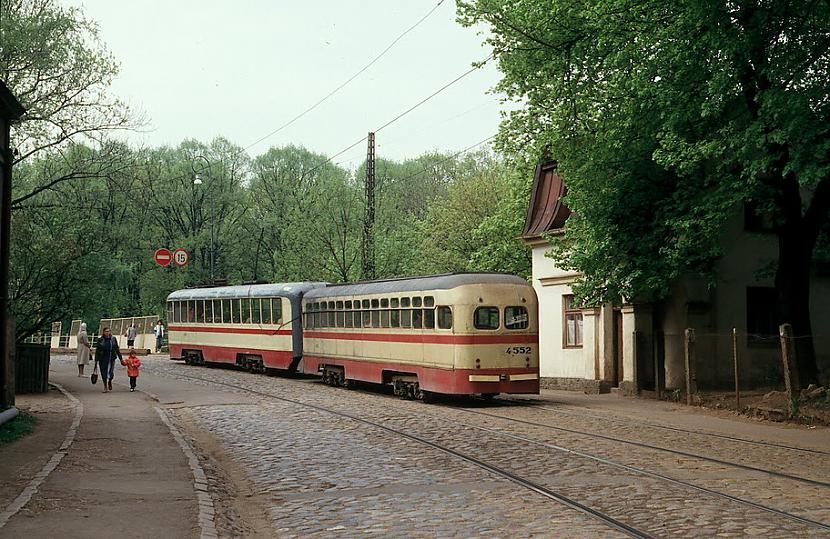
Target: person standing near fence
{"type": "Point", "coordinates": [159, 332]}
{"type": "Point", "coordinates": [130, 334]}
{"type": "Point", "coordinates": [106, 350]}
{"type": "Point", "coordinates": [83, 349]}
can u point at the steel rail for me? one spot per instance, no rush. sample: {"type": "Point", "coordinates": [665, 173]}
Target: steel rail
{"type": "Point", "coordinates": [618, 419]}
{"type": "Point", "coordinates": [657, 448]}
{"type": "Point", "coordinates": [495, 470]}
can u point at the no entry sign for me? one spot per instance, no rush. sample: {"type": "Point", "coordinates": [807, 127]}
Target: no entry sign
{"type": "Point", "coordinates": [162, 257]}
{"type": "Point", "coordinates": [180, 257]}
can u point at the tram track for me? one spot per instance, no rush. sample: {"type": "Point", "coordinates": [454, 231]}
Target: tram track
{"type": "Point", "coordinates": [546, 492]}
{"type": "Point", "coordinates": [643, 445]}
{"type": "Point", "coordinates": [540, 489]}
{"type": "Point", "coordinates": [640, 423]}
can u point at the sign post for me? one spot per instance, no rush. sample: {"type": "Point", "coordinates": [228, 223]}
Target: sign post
{"type": "Point", "coordinates": [162, 257]}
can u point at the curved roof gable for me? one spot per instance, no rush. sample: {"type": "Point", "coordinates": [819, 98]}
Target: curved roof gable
{"type": "Point", "coordinates": [546, 212]}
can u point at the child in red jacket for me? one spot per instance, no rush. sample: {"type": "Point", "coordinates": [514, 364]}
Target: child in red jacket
{"type": "Point", "coordinates": [133, 363]}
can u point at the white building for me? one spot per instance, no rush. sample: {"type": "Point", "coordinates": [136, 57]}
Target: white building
{"type": "Point", "coordinates": [622, 346]}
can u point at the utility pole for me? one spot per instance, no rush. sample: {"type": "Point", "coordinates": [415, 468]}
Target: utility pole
{"type": "Point", "coordinates": [369, 220]}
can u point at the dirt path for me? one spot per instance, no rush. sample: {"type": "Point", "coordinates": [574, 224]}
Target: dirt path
{"type": "Point", "coordinates": [124, 475]}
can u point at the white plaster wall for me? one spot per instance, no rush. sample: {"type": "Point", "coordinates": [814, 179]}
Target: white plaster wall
{"type": "Point", "coordinates": [554, 360]}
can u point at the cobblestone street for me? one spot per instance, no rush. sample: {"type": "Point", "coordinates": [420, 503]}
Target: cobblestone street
{"type": "Point", "coordinates": [313, 460]}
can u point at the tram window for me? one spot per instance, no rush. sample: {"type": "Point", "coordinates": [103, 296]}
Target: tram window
{"type": "Point", "coordinates": [208, 311]}
{"type": "Point", "coordinates": [375, 304]}
{"type": "Point", "coordinates": [191, 311]}
{"type": "Point", "coordinates": [339, 305]}
{"type": "Point", "coordinates": [406, 318]}
{"type": "Point", "coordinates": [375, 319]}
{"type": "Point", "coordinates": [486, 318]}
{"type": "Point", "coordinates": [200, 311]}
{"type": "Point", "coordinates": [384, 303]}
{"type": "Point", "coordinates": [170, 312]}
{"type": "Point", "coordinates": [341, 318]}
{"type": "Point", "coordinates": [276, 310]}
{"type": "Point", "coordinates": [394, 303]}
{"type": "Point", "coordinates": [331, 315]}
{"type": "Point", "coordinates": [256, 313]}
{"type": "Point", "coordinates": [416, 302]}
{"type": "Point", "coordinates": [177, 311]}
{"type": "Point", "coordinates": [429, 301]}
{"type": "Point", "coordinates": [350, 316]}
{"type": "Point", "coordinates": [348, 304]}
{"type": "Point", "coordinates": [429, 318]}
{"type": "Point", "coordinates": [367, 318]}
{"type": "Point", "coordinates": [331, 305]}
{"type": "Point", "coordinates": [384, 319]}
{"type": "Point", "coordinates": [245, 313]}
{"type": "Point", "coordinates": [365, 303]}
{"type": "Point", "coordinates": [444, 317]}
{"type": "Point", "coordinates": [236, 309]}
{"type": "Point", "coordinates": [404, 302]}
{"type": "Point", "coordinates": [395, 318]}
{"type": "Point", "coordinates": [226, 311]}
{"type": "Point", "coordinates": [515, 317]}
{"type": "Point", "coordinates": [417, 318]}
{"type": "Point", "coordinates": [266, 311]}
{"type": "Point", "coordinates": [217, 311]}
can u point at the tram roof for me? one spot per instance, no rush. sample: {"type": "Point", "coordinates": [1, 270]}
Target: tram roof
{"type": "Point", "coordinates": [443, 281]}
{"type": "Point", "coordinates": [286, 290]}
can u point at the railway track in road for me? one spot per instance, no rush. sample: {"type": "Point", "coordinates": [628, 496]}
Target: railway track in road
{"type": "Point", "coordinates": [644, 445]}
{"type": "Point", "coordinates": [533, 485]}
{"type": "Point", "coordinates": [495, 470]}
{"type": "Point", "coordinates": [694, 432]}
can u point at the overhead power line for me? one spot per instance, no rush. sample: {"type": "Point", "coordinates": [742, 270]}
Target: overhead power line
{"type": "Point", "coordinates": [347, 81]}
{"type": "Point", "coordinates": [473, 69]}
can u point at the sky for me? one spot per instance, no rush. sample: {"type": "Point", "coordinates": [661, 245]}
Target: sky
{"type": "Point", "coordinates": [201, 69]}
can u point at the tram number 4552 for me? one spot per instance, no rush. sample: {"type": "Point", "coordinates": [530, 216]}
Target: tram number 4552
{"type": "Point", "coordinates": [518, 350]}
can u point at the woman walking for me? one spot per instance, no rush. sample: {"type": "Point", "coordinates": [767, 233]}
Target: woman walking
{"type": "Point", "coordinates": [106, 350]}
{"type": "Point", "coordinates": [83, 349]}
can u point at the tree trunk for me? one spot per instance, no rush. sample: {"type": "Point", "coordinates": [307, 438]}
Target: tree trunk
{"type": "Point", "coordinates": [792, 283]}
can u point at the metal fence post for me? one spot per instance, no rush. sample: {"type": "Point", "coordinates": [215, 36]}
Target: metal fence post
{"type": "Point", "coordinates": [735, 365]}
{"type": "Point", "coordinates": [691, 378]}
{"type": "Point", "coordinates": [789, 359]}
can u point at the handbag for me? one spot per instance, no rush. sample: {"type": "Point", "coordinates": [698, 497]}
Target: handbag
{"type": "Point", "coordinates": [94, 377]}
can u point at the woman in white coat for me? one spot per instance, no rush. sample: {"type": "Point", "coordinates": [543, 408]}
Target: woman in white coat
{"type": "Point", "coordinates": [83, 349]}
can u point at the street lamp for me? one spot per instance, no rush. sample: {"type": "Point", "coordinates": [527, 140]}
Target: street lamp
{"type": "Point", "coordinates": [198, 181]}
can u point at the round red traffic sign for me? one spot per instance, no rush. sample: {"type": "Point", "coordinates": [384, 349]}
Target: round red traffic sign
{"type": "Point", "coordinates": [180, 257]}
{"type": "Point", "coordinates": [162, 256]}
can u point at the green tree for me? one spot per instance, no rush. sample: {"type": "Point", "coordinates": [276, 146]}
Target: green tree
{"type": "Point", "coordinates": [665, 117]}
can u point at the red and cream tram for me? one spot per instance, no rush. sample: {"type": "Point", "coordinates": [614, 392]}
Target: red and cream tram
{"type": "Point", "coordinates": [465, 333]}
{"type": "Point", "coordinates": [458, 333]}
{"type": "Point", "coordinates": [252, 326]}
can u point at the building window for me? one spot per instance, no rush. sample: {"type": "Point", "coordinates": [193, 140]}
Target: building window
{"type": "Point", "coordinates": [761, 315]}
{"type": "Point", "coordinates": [486, 318]}
{"type": "Point", "coordinates": [572, 317]}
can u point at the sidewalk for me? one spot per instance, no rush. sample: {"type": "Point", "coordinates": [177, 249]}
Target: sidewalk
{"type": "Point", "coordinates": [123, 476]}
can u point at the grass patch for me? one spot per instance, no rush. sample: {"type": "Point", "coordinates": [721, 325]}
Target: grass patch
{"type": "Point", "coordinates": [18, 427]}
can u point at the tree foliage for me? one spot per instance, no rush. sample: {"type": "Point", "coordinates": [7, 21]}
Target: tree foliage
{"type": "Point", "coordinates": [664, 117]}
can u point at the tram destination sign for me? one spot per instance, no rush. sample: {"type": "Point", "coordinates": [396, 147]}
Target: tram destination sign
{"type": "Point", "coordinates": [162, 257]}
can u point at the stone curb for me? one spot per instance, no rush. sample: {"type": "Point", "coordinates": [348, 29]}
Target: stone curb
{"type": "Point", "coordinates": [200, 485]}
{"type": "Point", "coordinates": [26, 495]}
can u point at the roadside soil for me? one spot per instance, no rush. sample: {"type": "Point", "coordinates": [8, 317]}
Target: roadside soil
{"type": "Point", "coordinates": [773, 406]}
{"type": "Point", "coordinates": [241, 510]}
{"type": "Point", "coordinates": [23, 458]}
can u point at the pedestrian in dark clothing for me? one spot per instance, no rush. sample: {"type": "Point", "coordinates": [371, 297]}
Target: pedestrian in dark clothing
{"type": "Point", "coordinates": [106, 350]}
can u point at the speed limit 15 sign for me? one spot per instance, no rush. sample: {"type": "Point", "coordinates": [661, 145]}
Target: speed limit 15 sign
{"type": "Point", "coordinates": [180, 257]}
